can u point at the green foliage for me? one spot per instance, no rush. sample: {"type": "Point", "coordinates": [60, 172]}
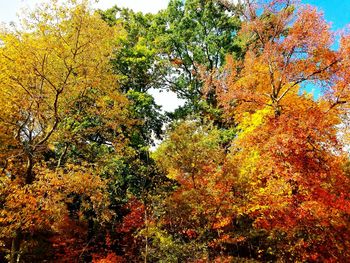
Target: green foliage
{"type": "Point", "coordinates": [135, 59]}
{"type": "Point", "coordinates": [192, 39]}
{"type": "Point", "coordinates": [134, 63]}
{"type": "Point", "coordinates": [170, 248]}
{"type": "Point", "coordinates": [173, 49]}
{"type": "Point", "coordinates": [151, 122]}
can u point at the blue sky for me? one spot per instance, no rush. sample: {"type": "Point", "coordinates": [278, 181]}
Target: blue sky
{"type": "Point", "coordinates": [336, 11]}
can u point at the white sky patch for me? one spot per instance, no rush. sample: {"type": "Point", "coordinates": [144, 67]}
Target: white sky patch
{"type": "Point", "coordinates": [167, 99]}
{"type": "Point", "coordinates": [9, 8]}
{"type": "Point", "coordinates": [145, 6]}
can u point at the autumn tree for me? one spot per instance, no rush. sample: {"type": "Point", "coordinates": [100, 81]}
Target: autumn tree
{"type": "Point", "coordinates": [287, 153]}
{"type": "Point", "coordinates": [54, 67]}
{"type": "Point", "coordinates": [257, 171]}
{"type": "Point", "coordinates": [190, 222]}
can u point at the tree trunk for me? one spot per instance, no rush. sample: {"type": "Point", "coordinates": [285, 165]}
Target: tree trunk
{"type": "Point", "coordinates": [146, 239]}
{"type": "Point", "coordinates": [29, 174]}
{"type": "Point", "coordinates": [15, 247]}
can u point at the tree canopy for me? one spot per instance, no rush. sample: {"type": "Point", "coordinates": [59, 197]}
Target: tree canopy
{"type": "Point", "coordinates": [252, 169]}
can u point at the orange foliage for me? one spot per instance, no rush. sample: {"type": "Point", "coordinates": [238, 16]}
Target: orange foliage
{"type": "Point", "coordinates": [289, 159]}
{"type": "Point", "coordinates": [203, 201]}
{"type": "Point", "coordinates": [110, 258]}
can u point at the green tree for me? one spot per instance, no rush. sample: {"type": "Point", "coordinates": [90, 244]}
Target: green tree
{"type": "Point", "coordinates": [134, 63]}
{"type": "Point", "coordinates": [174, 48]}
{"type": "Point", "coordinates": [192, 38]}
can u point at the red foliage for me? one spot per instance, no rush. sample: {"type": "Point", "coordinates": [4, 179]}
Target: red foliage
{"type": "Point", "coordinates": [70, 242]}
{"type": "Point", "coordinates": [134, 219]}
{"type": "Point", "coordinates": [109, 258]}
{"type": "Point", "coordinates": [289, 159]}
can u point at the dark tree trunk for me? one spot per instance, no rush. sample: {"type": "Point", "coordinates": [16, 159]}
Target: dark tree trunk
{"type": "Point", "coordinates": [15, 247]}
{"type": "Point", "coordinates": [29, 173]}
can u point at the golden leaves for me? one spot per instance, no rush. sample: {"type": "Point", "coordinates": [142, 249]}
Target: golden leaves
{"type": "Point", "coordinates": [43, 204]}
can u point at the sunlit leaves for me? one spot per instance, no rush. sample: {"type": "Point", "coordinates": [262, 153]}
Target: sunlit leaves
{"type": "Point", "coordinates": [60, 111]}
{"type": "Point", "coordinates": [287, 153]}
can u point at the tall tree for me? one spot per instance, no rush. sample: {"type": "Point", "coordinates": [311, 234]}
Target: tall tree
{"type": "Point", "coordinates": [192, 38]}
{"type": "Point", "coordinates": [172, 49]}
{"type": "Point", "coordinates": [287, 154]}
{"type": "Point", "coordinates": [134, 63]}
{"type": "Point", "coordinates": [49, 69]}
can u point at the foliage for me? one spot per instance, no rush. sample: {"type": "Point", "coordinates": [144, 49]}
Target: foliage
{"type": "Point", "coordinates": [134, 63]}
{"type": "Point", "coordinates": [201, 206]}
{"type": "Point", "coordinates": [193, 38]}
{"type": "Point", "coordinates": [252, 169]}
{"type": "Point", "coordinates": [57, 101]}
{"type": "Point", "coordinates": [174, 48]}
{"type": "Point", "coordinates": [287, 154]}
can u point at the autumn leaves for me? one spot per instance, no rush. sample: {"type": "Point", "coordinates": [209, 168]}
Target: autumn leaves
{"type": "Point", "coordinates": [256, 171]}
{"type": "Point", "coordinates": [288, 146]}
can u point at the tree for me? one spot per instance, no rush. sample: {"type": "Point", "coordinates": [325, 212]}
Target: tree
{"type": "Point", "coordinates": [192, 38]}
{"type": "Point", "coordinates": [54, 68]}
{"type": "Point", "coordinates": [173, 48]}
{"type": "Point", "coordinates": [134, 63]}
{"type": "Point", "coordinates": [287, 154]}
{"type": "Point", "coordinates": [196, 215]}
{"type": "Point", "coordinates": [257, 171]}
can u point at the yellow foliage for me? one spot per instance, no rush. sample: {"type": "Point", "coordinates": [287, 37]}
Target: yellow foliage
{"type": "Point", "coordinates": [250, 122]}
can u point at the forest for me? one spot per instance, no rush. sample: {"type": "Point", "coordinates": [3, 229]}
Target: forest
{"type": "Point", "coordinates": [254, 167]}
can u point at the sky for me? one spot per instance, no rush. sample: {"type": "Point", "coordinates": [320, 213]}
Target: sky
{"type": "Point", "coordinates": [9, 8]}
{"type": "Point", "coordinates": [335, 11]}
